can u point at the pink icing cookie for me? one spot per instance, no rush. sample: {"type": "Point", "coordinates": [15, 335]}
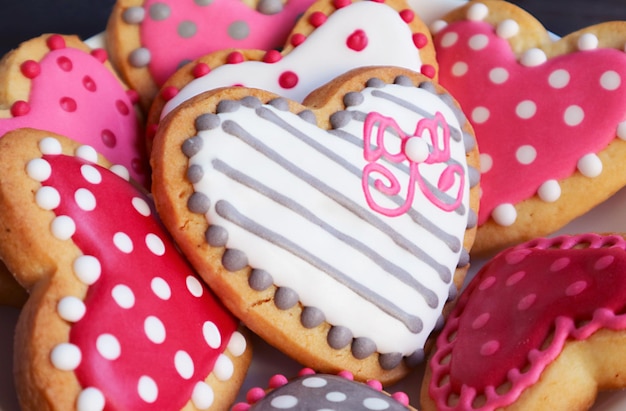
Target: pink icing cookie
{"type": "Point", "coordinates": [331, 38]}
{"type": "Point", "coordinates": [541, 326]}
{"type": "Point", "coordinates": [117, 319]}
{"type": "Point", "coordinates": [57, 83]}
{"type": "Point", "coordinates": [550, 117]}
{"type": "Point", "coordinates": [151, 39]}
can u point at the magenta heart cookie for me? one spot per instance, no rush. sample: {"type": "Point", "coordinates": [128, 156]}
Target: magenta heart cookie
{"type": "Point", "coordinates": [117, 319]}
{"type": "Point", "coordinates": [56, 83]}
{"type": "Point", "coordinates": [537, 325]}
{"type": "Point", "coordinates": [544, 112]}
{"type": "Point", "coordinates": [151, 39]}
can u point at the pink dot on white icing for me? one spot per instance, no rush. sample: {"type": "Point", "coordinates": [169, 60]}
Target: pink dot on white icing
{"type": "Point", "coordinates": [224, 368]}
{"type": "Point", "coordinates": [487, 283]}
{"type": "Point", "coordinates": [549, 191]}
{"type": "Point", "coordinates": [526, 302]}
{"type": "Point", "coordinates": [123, 242]}
{"type": "Point", "coordinates": [50, 146]}
{"type": "Point", "coordinates": [480, 115]}
{"type": "Point", "coordinates": [108, 346]}
{"type": "Point", "coordinates": [194, 286]}
{"type": "Point", "coordinates": [71, 309]}
{"type": "Point", "coordinates": [161, 288]}
{"type": "Point", "coordinates": [184, 364]}
{"type": "Point", "coordinates": [123, 296]}
{"type": "Point", "coordinates": [526, 154]}
{"type": "Point", "coordinates": [66, 357]}
{"type": "Point", "coordinates": [141, 206]}
{"type": "Point", "coordinates": [48, 198]}
{"type": "Point", "coordinates": [85, 199]}
{"type": "Point", "coordinates": [533, 58]}
{"type": "Point", "coordinates": [237, 344]}
{"type": "Point", "coordinates": [202, 396]}
{"type": "Point", "coordinates": [155, 244]}
{"type": "Point", "coordinates": [459, 69]}
{"type": "Point", "coordinates": [590, 165]}
{"type": "Point", "coordinates": [477, 12]}
{"type": "Point", "coordinates": [478, 42]}
{"type": "Point", "coordinates": [39, 169]}
{"type": "Point", "coordinates": [574, 115]}
{"type": "Point", "coordinates": [504, 214]}
{"type": "Point", "coordinates": [211, 335]}
{"type": "Point", "coordinates": [486, 162]}
{"type": "Point", "coordinates": [559, 264]}
{"type": "Point", "coordinates": [604, 262]}
{"type": "Point", "coordinates": [489, 348]}
{"type": "Point", "coordinates": [526, 109]}
{"type": "Point", "coordinates": [90, 174]}
{"type": "Point", "coordinates": [87, 153]}
{"type": "Point", "coordinates": [559, 78]}
{"type": "Point", "coordinates": [87, 269]}
{"type": "Point", "coordinates": [90, 399]}
{"type": "Point", "coordinates": [63, 227]}
{"type": "Point", "coordinates": [449, 39]}
{"type": "Point", "coordinates": [147, 389]}
{"type": "Point", "coordinates": [507, 29]}
{"type": "Point", "coordinates": [481, 321]}
{"type": "Point", "coordinates": [515, 278]}
{"type": "Point", "coordinates": [498, 75]}
{"type": "Point", "coordinates": [154, 329]}
{"type": "Point", "coordinates": [610, 80]}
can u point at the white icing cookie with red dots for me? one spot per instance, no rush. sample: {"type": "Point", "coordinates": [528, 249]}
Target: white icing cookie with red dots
{"type": "Point", "coordinates": [540, 327]}
{"type": "Point", "coordinates": [116, 317]}
{"type": "Point", "coordinates": [151, 39]}
{"type": "Point", "coordinates": [337, 230]}
{"type": "Point", "coordinates": [331, 38]}
{"type": "Point", "coordinates": [550, 116]}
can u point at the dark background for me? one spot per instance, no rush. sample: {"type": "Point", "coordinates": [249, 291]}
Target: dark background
{"type": "Point", "coordinates": [24, 19]}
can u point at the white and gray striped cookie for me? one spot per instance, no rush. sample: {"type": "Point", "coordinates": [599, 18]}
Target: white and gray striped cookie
{"type": "Point", "coordinates": [337, 230]}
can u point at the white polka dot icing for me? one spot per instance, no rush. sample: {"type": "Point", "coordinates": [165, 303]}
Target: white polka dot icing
{"type": "Point", "coordinates": [128, 324]}
{"type": "Point", "coordinates": [543, 104]}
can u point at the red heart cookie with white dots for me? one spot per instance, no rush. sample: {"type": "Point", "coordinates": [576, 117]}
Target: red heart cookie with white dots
{"type": "Point", "coordinates": [550, 116]}
{"type": "Point", "coordinates": [540, 326]}
{"type": "Point", "coordinates": [331, 38]}
{"type": "Point", "coordinates": [151, 39]}
{"type": "Point", "coordinates": [117, 319]}
{"type": "Point", "coordinates": [57, 83]}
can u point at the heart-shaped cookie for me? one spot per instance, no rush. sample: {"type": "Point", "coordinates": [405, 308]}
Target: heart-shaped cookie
{"type": "Point", "coordinates": [336, 230]}
{"type": "Point", "coordinates": [541, 326]}
{"type": "Point", "coordinates": [57, 83]}
{"type": "Point", "coordinates": [117, 319]}
{"type": "Point", "coordinates": [550, 116]}
{"type": "Point", "coordinates": [332, 37]}
{"type": "Point", "coordinates": [151, 39]}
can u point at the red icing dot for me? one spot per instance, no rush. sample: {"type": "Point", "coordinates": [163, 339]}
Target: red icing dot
{"type": "Point", "coordinates": [346, 374]}
{"type": "Point", "coordinates": [20, 108]}
{"type": "Point", "coordinates": [317, 18]}
{"type": "Point", "coordinates": [487, 283]}
{"type": "Point", "coordinates": [420, 40]}
{"type": "Point", "coordinates": [138, 166]}
{"type": "Point", "coordinates": [30, 69]}
{"type": "Point", "coordinates": [306, 371]}
{"type": "Point", "coordinates": [68, 104]}
{"type": "Point", "coordinates": [401, 397]}
{"type": "Point", "coordinates": [255, 394]}
{"type": "Point", "coordinates": [559, 264]}
{"type": "Point", "coordinates": [526, 302]}
{"type": "Point", "coordinates": [489, 348]}
{"type": "Point", "coordinates": [133, 96]}
{"type": "Point", "coordinates": [55, 42]}
{"type": "Point", "coordinates": [288, 79]}
{"type": "Point", "coordinates": [151, 131]}
{"type": "Point", "coordinates": [341, 3]}
{"type": "Point", "coordinates": [515, 278]}
{"type": "Point", "coordinates": [122, 107]}
{"type": "Point", "coordinates": [108, 138]}
{"type": "Point", "coordinates": [575, 288]}
{"type": "Point", "coordinates": [169, 92]}
{"type": "Point", "coordinates": [375, 384]}
{"type": "Point", "coordinates": [297, 39]}
{"type": "Point", "coordinates": [357, 41]}
{"type": "Point", "coordinates": [480, 321]}
{"type": "Point", "coordinates": [272, 56]}
{"type": "Point", "coordinates": [234, 58]}
{"type": "Point", "coordinates": [241, 406]}
{"type": "Point", "coordinates": [65, 63]}
{"type": "Point", "coordinates": [100, 55]}
{"type": "Point", "coordinates": [428, 70]}
{"type": "Point", "coordinates": [517, 256]}
{"type": "Point", "coordinates": [277, 381]}
{"type": "Point", "coordinates": [89, 84]}
{"type": "Point", "coordinates": [604, 262]}
{"type": "Point", "coordinates": [407, 15]}
{"type": "Point", "coordinates": [201, 69]}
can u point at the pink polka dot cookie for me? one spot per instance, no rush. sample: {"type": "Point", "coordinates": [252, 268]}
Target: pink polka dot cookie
{"type": "Point", "coordinates": [57, 83]}
{"type": "Point", "coordinates": [311, 391]}
{"type": "Point", "coordinates": [336, 230]}
{"type": "Point", "coordinates": [332, 37]}
{"type": "Point", "coordinates": [550, 116]}
{"type": "Point", "coordinates": [540, 327]}
{"type": "Point", "coordinates": [151, 39]}
{"type": "Point", "coordinates": [116, 317]}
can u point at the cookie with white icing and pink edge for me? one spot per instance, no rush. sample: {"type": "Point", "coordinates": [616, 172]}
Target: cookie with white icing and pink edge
{"type": "Point", "coordinates": [332, 37]}
{"type": "Point", "coordinates": [150, 39]}
{"type": "Point", "coordinates": [116, 318]}
{"type": "Point", "coordinates": [336, 230]}
{"type": "Point", "coordinates": [312, 391]}
{"type": "Point", "coordinates": [549, 116]}
{"type": "Point", "coordinates": [540, 327]}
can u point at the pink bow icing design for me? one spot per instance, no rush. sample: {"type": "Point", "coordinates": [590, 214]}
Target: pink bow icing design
{"type": "Point", "coordinates": [375, 148]}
